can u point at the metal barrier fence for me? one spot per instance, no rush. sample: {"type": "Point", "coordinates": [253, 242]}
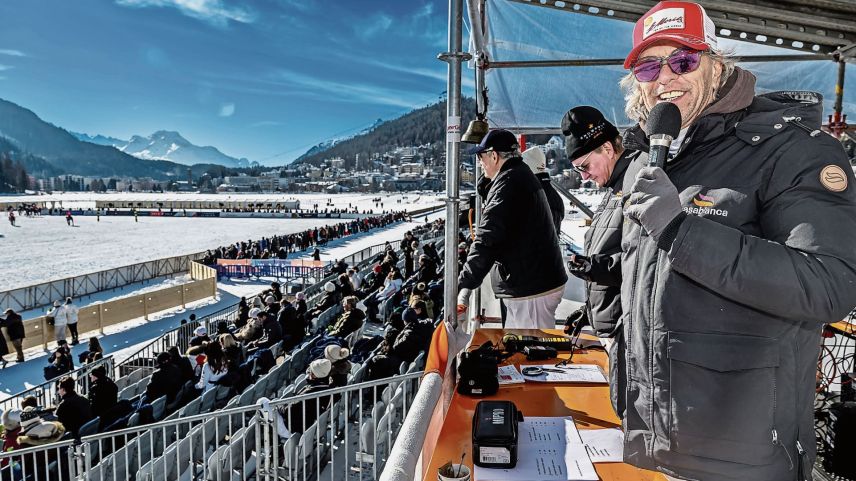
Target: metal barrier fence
{"type": "Point", "coordinates": [95, 317]}
{"type": "Point", "coordinates": [42, 295]}
{"type": "Point", "coordinates": [271, 269]}
{"type": "Point", "coordinates": [46, 392]}
{"type": "Point", "coordinates": [180, 336]}
{"type": "Point", "coordinates": [339, 433]}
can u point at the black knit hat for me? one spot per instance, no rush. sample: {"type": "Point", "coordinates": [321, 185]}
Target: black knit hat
{"type": "Point", "coordinates": [586, 130]}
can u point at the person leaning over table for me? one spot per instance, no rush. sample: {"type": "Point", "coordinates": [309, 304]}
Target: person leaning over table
{"type": "Point", "coordinates": [516, 240]}
{"type": "Point", "coordinates": [734, 256]}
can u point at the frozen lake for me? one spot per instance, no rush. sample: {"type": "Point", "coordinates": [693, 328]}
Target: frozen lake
{"type": "Point", "coordinates": [45, 248]}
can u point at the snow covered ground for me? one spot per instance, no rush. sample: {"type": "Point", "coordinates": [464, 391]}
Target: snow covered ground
{"type": "Point", "coordinates": [125, 339]}
{"type": "Point", "coordinates": [391, 201]}
{"type": "Point", "coordinates": [45, 248]}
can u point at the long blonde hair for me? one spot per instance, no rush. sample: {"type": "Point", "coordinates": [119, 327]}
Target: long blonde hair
{"type": "Point", "coordinates": [634, 105]}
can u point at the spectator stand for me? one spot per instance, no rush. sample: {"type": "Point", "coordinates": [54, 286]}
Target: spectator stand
{"type": "Point", "coordinates": [363, 423]}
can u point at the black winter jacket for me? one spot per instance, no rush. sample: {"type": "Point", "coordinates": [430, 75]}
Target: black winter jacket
{"type": "Point", "coordinates": [167, 380]}
{"type": "Point", "coordinates": [603, 248]}
{"type": "Point", "coordinates": [73, 412]}
{"type": "Point", "coordinates": [557, 206]}
{"type": "Point", "coordinates": [516, 240]}
{"type": "Point", "coordinates": [722, 320]}
{"type": "Point", "coordinates": [347, 323]}
{"type": "Point", "coordinates": [102, 395]}
{"type": "Point", "coordinates": [412, 340]}
{"type": "Point", "coordinates": [14, 326]}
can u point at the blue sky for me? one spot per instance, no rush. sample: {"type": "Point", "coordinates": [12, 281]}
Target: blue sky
{"type": "Point", "coordinates": [267, 79]}
{"type": "Point", "coordinates": [262, 79]}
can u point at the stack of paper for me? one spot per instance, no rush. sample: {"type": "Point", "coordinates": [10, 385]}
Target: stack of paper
{"type": "Point", "coordinates": [571, 373]}
{"type": "Point", "coordinates": [604, 445]}
{"type": "Point", "coordinates": [548, 449]}
{"type": "Point", "coordinates": [509, 375]}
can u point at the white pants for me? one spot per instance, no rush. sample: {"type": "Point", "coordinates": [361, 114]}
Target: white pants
{"type": "Point", "coordinates": [59, 332]}
{"type": "Point", "coordinates": [534, 312]}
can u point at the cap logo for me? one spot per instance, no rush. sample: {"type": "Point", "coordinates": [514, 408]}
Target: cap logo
{"type": "Point", "coordinates": [593, 132]}
{"type": "Point", "coordinates": [665, 19]}
{"type": "Point", "coordinates": [833, 178]}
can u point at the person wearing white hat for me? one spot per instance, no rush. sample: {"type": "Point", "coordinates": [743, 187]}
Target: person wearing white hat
{"type": "Point", "coordinates": [11, 420]}
{"type": "Point", "coordinates": [60, 320]}
{"type": "Point", "coordinates": [537, 162]}
{"type": "Point", "coordinates": [349, 321]}
{"type": "Point", "coordinates": [328, 300]}
{"type": "Point", "coordinates": [341, 366]}
{"type": "Point", "coordinates": [200, 336]}
{"type": "Point", "coordinates": [300, 414]}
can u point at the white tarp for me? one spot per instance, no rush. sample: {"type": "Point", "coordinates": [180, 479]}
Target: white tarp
{"type": "Point", "coordinates": [538, 97]}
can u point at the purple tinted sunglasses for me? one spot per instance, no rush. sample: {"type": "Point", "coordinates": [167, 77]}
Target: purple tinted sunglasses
{"type": "Point", "coordinates": [681, 61]}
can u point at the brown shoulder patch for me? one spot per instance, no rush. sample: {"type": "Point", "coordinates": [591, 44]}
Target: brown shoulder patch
{"type": "Point", "coordinates": [833, 178]}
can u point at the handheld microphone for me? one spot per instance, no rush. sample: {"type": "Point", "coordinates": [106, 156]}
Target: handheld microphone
{"type": "Point", "coordinates": [664, 124]}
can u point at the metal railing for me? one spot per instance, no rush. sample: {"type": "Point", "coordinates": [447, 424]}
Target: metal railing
{"type": "Point", "coordinates": [46, 392]}
{"type": "Point", "coordinates": [180, 336]}
{"type": "Point", "coordinates": [41, 295]}
{"type": "Point", "coordinates": [338, 433]}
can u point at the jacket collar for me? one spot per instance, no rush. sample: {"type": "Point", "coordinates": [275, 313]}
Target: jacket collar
{"type": "Point", "coordinates": [620, 166]}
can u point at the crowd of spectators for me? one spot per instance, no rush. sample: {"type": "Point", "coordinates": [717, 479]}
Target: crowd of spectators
{"type": "Point", "coordinates": [278, 247]}
{"type": "Point", "coordinates": [405, 314]}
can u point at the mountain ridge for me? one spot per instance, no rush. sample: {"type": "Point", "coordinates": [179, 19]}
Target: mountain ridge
{"type": "Point", "coordinates": [422, 126]}
{"type": "Point", "coordinates": [167, 145]}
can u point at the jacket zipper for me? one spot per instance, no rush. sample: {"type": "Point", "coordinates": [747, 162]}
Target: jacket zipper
{"type": "Point", "coordinates": [801, 460]}
{"type": "Point", "coordinates": [797, 121]}
{"type": "Point", "coordinates": [777, 443]}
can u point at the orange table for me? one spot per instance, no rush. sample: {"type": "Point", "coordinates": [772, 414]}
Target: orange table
{"type": "Point", "coordinates": [588, 404]}
{"type": "Point", "coordinates": [844, 327]}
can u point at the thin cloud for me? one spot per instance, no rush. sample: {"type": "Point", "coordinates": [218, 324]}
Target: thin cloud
{"type": "Point", "coordinates": [227, 110]}
{"type": "Point", "coordinates": [435, 74]}
{"type": "Point", "coordinates": [299, 5]}
{"type": "Point", "coordinates": [12, 53]}
{"type": "Point", "coordinates": [353, 92]}
{"type": "Point", "coordinates": [285, 83]}
{"type": "Point", "coordinates": [213, 12]}
{"type": "Point", "coordinates": [3, 68]}
{"type": "Point", "coordinates": [375, 26]}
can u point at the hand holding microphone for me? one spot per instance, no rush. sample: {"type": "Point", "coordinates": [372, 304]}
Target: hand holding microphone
{"type": "Point", "coordinates": [654, 201]}
{"type": "Point", "coordinates": [663, 125]}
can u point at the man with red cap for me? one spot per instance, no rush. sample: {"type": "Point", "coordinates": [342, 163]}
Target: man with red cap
{"type": "Point", "coordinates": [734, 254]}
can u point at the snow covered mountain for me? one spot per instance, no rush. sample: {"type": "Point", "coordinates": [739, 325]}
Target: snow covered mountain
{"type": "Point", "coordinates": [167, 145]}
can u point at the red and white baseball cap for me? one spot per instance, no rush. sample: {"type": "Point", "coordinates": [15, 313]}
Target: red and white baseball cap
{"type": "Point", "coordinates": [683, 22]}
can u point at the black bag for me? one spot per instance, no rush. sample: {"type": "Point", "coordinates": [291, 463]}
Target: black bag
{"type": "Point", "coordinates": [477, 374]}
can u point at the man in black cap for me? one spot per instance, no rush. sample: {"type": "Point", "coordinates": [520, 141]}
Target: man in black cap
{"type": "Point", "coordinates": [515, 240]}
{"type": "Point", "coordinates": [596, 152]}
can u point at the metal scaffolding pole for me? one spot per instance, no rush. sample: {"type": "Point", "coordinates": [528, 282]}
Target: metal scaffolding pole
{"type": "Point", "coordinates": [482, 107]}
{"type": "Point", "coordinates": [599, 62]}
{"type": "Point", "coordinates": [453, 57]}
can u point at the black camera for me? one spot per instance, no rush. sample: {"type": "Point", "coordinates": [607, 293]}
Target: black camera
{"type": "Point", "coordinates": [477, 373]}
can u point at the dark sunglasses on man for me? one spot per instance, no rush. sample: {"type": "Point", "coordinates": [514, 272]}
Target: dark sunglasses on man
{"type": "Point", "coordinates": [681, 61]}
